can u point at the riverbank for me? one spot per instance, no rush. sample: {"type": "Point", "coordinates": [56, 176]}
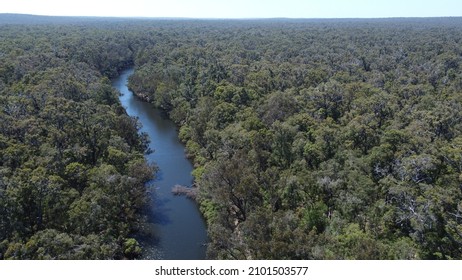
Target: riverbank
{"type": "Point", "coordinates": [178, 229]}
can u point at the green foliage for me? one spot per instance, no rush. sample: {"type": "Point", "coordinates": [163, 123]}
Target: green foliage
{"type": "Point", "coordinates": [354, 243]}
{"type": "Point", "coordinates": [341, 138]}
{"type": "Point", "coordinates": [310, 139]}
{"type": "Point", "coordinates": [71, 161]}
{"type": "Point", "coordinates": [53, 245]}
{"type": "Point", "coordinates": [314, 217]}
{"type": "Point", "coordinates": [131, 248]}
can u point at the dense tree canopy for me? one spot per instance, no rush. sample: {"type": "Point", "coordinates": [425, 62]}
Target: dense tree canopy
{"type": "Point", "coordinates": [312, 139]}
{"type": "Point", "coordinates": [318, 139]}
{"type": "Point", "coordinates": [71, 161]}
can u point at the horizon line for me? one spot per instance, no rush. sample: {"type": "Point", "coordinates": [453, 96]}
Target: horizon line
{"type": "Point", "coordinates": [227, 18]}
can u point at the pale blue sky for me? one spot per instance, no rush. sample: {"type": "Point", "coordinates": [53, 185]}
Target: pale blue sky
{"type": "Point", "coordinates": [237, 8]}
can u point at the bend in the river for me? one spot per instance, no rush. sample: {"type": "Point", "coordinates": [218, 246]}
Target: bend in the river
{"type": "Point", "coordinates": [179, 231]}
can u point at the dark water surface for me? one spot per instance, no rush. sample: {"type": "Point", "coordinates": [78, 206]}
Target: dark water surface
{"type": "Point", "coordinates": [179, 231]}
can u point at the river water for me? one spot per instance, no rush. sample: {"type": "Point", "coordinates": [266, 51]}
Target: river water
{"type": "Point", "coordinates": [178, 229]}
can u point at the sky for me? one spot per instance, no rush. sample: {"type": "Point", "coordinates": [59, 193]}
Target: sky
{"type": "Point", "coordinates": [237, 8]}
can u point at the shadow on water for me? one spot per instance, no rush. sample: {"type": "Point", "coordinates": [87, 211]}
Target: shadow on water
{"type": "Point", "coordinates": [160, 213]}
{"type": "Point", "coordinates": [175, 228]}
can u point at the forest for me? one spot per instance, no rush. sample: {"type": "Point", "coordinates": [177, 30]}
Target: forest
{"type": "Point", "coordinates": [71, 161]}
{"type": "Point", "coordinates": [311, 139]}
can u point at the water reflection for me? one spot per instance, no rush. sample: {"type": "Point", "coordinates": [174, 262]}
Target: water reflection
{"type": "Point", "coordinates": [175, 230]}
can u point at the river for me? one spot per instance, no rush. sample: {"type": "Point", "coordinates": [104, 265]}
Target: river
{"type": "Point", "coordinates": [179, 230]}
